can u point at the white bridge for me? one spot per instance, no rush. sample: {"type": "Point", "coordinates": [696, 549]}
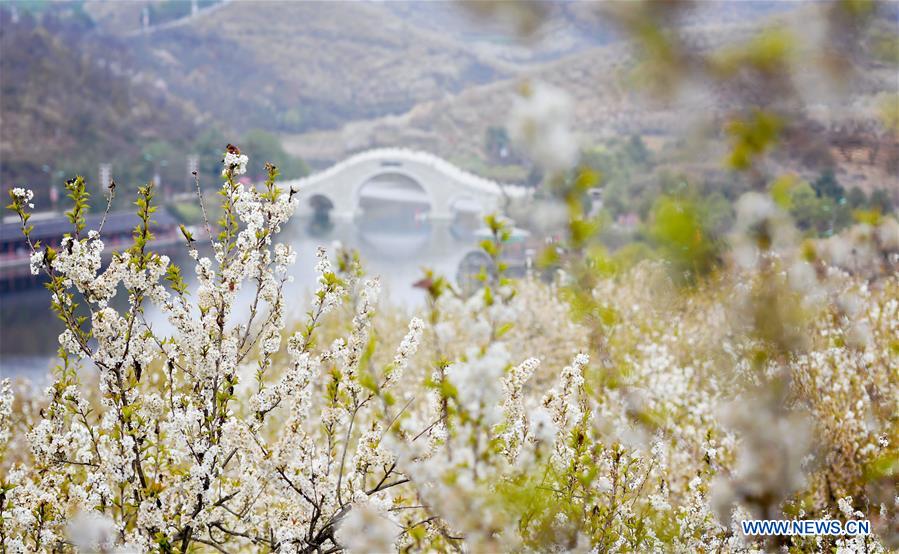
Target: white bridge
{"type": "Point", "coordinates": [439, 188]}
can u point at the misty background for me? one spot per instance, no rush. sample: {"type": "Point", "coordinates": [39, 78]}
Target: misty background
{"type": "Point", "coordinates": [153, 90]}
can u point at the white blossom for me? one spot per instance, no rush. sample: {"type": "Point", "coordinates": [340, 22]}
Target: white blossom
{"type": "Point", "coordinates": [539, 122]}
{"type": "Point", "coordinates": [235, 164]}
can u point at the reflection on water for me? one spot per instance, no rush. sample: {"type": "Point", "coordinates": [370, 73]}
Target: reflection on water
{"type": "Point", "coordinates": [395, 248]}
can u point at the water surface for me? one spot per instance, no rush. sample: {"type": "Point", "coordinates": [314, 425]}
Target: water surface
{"type": "Point", "coordinates": [394, 250]}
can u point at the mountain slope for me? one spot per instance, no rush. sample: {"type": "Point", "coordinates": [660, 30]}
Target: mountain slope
{"type": "Point", "coordinates": [296, 66]}
{"type": "Point", "coordinates": [65, 102]}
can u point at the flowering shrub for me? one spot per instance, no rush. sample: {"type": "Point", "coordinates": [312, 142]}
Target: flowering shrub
{"type": "Point", "coordinates": [501, 421]}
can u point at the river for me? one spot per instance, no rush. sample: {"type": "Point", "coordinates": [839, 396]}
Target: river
{"type": "Point", "coordinates": [395, 251]}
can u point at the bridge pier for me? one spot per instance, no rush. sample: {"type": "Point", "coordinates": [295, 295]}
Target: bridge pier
{"type": "Point", "coordinates": [441, 238]}
{"type": "Point", "coordinates": [344, 215]}
{"type": "Point", "coordinates": [441, 215]}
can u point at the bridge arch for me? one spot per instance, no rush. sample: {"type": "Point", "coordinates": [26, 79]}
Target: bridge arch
{"type": "Point", "coordinates": [392, 185]}
{"type": "Point", "coordinates": [393, 202]}
{"type": "Point", "coordinates": [321, 208]}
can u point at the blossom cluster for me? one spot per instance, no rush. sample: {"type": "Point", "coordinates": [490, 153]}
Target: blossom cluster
{"type": "Point", "coordinates": [235, 163]}
{"type": "Point", "coordinates": [492, 421]}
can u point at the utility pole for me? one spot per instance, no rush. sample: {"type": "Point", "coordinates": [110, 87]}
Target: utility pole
{"type": "Point", "coordinates": [105, 177]}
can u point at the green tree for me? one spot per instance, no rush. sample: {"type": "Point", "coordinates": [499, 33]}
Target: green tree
{"type": "Point", "coordinates": [880, 200]}
{"type": "Point", "coordinates": [292, 120]}
{"type": "Point", "coordinates": [636, 150]}
{"type": "Point", "coordinates": [857, 199]}
{"type": "Point", "coordinates": [168, 10]}
{"type": "Point", "coordinates": [680, 230]}
{"type": "Point", "coordinates": [818, 214]}
{"type": "Point", "coordinates": [497, 142]}
{"type": "Point", "coordinates": [718, 212]}
{"type": "Point", "coordinates": [267, 147]}
{"type": "Point", "coordinates": [209, 146]}
{"type": "Point", "coordinates": [842, 216]}
{"type": "Point", "coordinates": [827, 185]}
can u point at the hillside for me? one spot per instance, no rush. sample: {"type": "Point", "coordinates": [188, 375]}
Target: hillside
{"type": "Point", "coordinates": [303, 66]}
{"type": "Point", "coordinates": [66, 102]}
{"type": "Point", "coordinates": [600, 80]}
{"type": "Point", "coordinates": [333, 78]}
{"type": "Point", "coordinates": [296, 66]}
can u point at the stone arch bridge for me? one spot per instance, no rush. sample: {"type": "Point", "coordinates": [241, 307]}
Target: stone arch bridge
{"type": "Point", "coordinates": [403, 175]}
